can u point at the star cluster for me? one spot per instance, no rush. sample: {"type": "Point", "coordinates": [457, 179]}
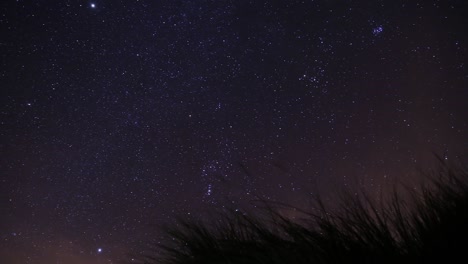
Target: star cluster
{"type": "Point", "coordinates": [117, 116]}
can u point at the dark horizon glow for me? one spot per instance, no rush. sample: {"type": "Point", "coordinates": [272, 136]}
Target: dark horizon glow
{"type": "Point", "coordinates": [117, 116]}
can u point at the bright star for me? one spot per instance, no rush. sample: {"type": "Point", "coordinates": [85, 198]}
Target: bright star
{"type": "Point", "coordinates": [93, 5]}
{"type": "Point", "coordinates": [377, 30]}
{"type": "Point", "coordinates": [99, 250]}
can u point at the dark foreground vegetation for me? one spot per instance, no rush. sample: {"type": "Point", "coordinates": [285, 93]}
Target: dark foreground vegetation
{"type": "Point", "coordinates": [431, 226]}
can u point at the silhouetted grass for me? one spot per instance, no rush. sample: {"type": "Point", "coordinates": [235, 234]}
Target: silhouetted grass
{"type": "Point", "coordinates": [431, 226]}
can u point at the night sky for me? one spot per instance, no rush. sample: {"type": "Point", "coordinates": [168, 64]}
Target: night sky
{"type": "Point", "coordinates": [116, 116]}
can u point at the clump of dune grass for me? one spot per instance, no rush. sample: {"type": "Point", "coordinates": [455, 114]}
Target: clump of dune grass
{"type": "Point", "coordinates": [429, 227]}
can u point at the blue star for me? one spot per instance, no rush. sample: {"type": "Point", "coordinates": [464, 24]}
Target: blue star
{"type": "Point", "coordinates": [377, 30]}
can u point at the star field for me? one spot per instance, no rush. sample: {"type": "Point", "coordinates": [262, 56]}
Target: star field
{"type": "Point", "coordinates": [118, 116]}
